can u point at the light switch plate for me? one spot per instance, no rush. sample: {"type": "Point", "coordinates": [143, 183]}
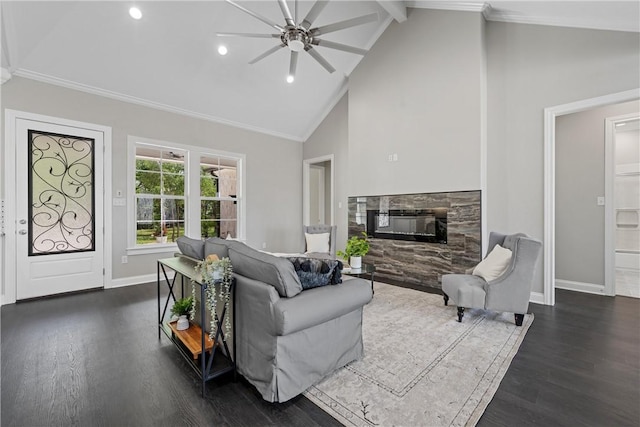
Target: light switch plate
{"type": "Point", "coordinates": [119, 201]}
{"type": "Point", "coordinates": [600, 201]}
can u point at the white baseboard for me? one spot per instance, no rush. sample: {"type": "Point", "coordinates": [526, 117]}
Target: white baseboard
{"type": "Point", "coordinates": [590, 288]}
{"type": "Point", "coordinates": [134, 280]}
{"type": "Point", "coordinates": [537, 297]}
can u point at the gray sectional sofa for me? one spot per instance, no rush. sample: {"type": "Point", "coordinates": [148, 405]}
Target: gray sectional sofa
{"type": "Point", "coordinates": [287, 338]}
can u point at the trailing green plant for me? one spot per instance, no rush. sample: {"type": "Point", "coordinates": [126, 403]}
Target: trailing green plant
{"type": "Point", "coordinates": [356, 246]}
{"type": "Point", "coordinates": [217, 289]}
{"type": "Point", "coordinates": [182, 306]}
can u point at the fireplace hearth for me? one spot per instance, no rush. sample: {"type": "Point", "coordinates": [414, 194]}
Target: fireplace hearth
{"type": "Point", "coordinates": [416, 238]}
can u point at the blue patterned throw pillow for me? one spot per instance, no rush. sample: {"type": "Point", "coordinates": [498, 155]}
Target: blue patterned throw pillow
{"type": "Point", "coordinates": [315, 272]}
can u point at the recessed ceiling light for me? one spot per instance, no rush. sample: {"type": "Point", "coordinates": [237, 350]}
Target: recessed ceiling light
{"type": "Point", "coordinates": [290, 79]}
{"type": "Point", "coordinates": [222, 50]}
{"type": "Point", "coordinates": [135, 13]}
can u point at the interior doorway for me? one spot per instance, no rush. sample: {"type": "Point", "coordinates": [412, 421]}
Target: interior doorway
{"type": "Point", "coordinates": [623, 159]}
{"type": "Point", "coordinates": [318, 190]}
{"type": "Point", "coordinates": [549, 241]}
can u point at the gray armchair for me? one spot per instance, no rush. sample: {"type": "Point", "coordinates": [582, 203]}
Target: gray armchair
{"type": "Point", "coordinates": [318, 229]}
{"type": "Point", "coordinates": [509, 292]}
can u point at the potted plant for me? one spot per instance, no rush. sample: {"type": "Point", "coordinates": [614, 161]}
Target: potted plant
{"type": "Point", "coordinates": [160, 233]}
{"type": "Point", "coordinates": [182, 308]}
{"type": "Point", "coordinates": [217, 274]}
{"type": "Point", "coordinates": [357, 247]}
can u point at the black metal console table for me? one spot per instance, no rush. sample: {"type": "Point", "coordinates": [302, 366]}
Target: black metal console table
{"type": "Point", "coordinates": [212, 363]}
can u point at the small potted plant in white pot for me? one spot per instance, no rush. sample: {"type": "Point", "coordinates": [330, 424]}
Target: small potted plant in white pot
{"type": "Point", "coordinates": [160, 233]}
{"type": "Point", "coordinates": [356, 248]}
{"type": "Point", "coordinates": [182, 308]}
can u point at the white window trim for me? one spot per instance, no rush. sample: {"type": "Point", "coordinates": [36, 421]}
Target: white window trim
{"type": "Point", "coordinates": [192, 209]}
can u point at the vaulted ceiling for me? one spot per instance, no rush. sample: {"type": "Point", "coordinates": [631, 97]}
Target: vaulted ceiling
{"type": "Point", "coordinates": [169, 59]}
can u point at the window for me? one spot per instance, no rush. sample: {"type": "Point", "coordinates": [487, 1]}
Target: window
{"type": "Point", "coordinates": [160, 195]}
{"type": "Point", "coordinates": [218, 191]}
{"type": "Point", "coordinates": [178, 190]}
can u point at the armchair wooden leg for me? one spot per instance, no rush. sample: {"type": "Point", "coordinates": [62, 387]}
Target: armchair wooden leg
{"type": "Point", "coordinates": [519, 319]}
{"type": "Point", "coordinates": [460, 314]}
{"type": "Point", "coordinates": [446, 298]}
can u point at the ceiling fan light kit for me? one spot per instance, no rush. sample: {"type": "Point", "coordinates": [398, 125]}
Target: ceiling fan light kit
{"type": "Point", "coordinates": [299, 36]}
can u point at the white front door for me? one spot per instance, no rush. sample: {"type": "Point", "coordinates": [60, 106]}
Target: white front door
{"type": "Point", "coordinates": [59, 208]}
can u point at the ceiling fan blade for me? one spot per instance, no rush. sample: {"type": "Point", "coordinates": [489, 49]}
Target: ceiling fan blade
{"type": "Point", "coordinates": [353, 22]}
{"type": "Point", "coordinates": [267, 53]}
{"type": "Point", "coordinates": [286, 12]}
{"type": "Point", "coordinates": [260, 36]}
{"type": "Point", "coordinates": [315, 55]}
{"type": "Point", "coordinates": [257, 16]}
{"type": "Point", "coordinates": [295, 10]}
{"type": "Point", "coordinates": [339, 46]}
{"type": "Point", "coordinates": [293, 63]}
{"type": "Point", "coordinates": [313, 13]}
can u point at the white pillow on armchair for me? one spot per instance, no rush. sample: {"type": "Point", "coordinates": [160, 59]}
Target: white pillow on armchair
{"type": "Point", "coordinates": [494, 264]}
{"type": "Point", "coordinates": [318, 242]}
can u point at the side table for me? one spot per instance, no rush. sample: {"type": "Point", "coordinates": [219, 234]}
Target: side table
{"type": "Point", "coordinates": [369, 269]}
{"type": "Point", "coordinates": [195, 343]}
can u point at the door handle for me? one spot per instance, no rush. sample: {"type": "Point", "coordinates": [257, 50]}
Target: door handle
{"type": "Point", "coordinates": [23, 221]}
{"type": "Point", "coordinates": [22, 232]}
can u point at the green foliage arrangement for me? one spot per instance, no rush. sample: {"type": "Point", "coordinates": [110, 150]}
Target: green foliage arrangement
{"type": "Point", "coordinates": [217, 290]}
{"type": "Point", "coordinates": [356, 246]}
{"type": "Point", "coordinates": [182, 306]}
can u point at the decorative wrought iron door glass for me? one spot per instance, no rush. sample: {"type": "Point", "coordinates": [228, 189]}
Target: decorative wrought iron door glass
{"type": "Point", "coordinates": [61, 193]}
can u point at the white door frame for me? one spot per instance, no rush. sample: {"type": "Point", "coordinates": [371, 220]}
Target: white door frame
{"type": "Point", "coordinates": [306, 165]}
{"type": "Point", "coordinates": [550, 115]}
{"type": "Point", "coordinates": [321, 193]}
{"type": "Point", "coordinates": [609, 200]}
{"type": "Point", "coordinates": [8, 179]}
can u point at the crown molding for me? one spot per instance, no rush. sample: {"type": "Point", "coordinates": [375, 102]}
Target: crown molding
{"type": "Point", "coordinates": [32, 75]}
{"type": "Point", "coordinates": [479, 6]}
{"type": "Point", "coordinates": [498, 16]}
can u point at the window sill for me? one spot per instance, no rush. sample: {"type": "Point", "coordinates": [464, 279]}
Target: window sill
{"type": "Point", "coordinates": [153, 248]}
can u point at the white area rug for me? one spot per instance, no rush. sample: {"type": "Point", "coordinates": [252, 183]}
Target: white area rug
{"type": "Point", "coordinates": [421, 367]}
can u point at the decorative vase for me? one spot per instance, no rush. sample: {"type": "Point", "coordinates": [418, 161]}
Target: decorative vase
{"type": "Point", "coordinates": [217, 274]}
{"type": "Point", "coordinates": [161, 239]}
{"type": "Point", "coordinates": [183, 323]}
{"type": "Point", "coordinates": [355, 262]}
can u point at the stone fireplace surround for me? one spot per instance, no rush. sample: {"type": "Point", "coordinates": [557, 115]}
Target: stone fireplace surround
{"type": "Point", "coordinates": [421, 265]}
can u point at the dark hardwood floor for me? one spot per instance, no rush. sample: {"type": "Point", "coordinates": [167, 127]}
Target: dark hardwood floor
{"type": "Point", "coordinates": [94, 359]}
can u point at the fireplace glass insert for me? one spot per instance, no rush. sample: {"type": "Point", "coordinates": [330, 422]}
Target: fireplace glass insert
{"type": "Point", "coordinates": [420, 225]}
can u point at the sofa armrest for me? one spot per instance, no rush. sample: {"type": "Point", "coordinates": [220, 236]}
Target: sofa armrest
{"type": "Point", "coordinates": [319, 305]}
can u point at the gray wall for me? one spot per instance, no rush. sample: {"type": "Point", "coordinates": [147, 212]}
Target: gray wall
{"type": "Point", "coordinates": [580, 147]}
{"type": "Point", "coordinates": [331, 137]}
{"type": "Point", "coordinates": [419, 93]}
{"type": "Point", "coordinates": [274, 165]}
{"type": "Point", "coordinates": [532, 67]}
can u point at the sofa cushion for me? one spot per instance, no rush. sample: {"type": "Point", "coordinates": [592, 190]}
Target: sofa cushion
{"type": "Point", "coordinates": [193, 248]}
{"type": "Point", "coordinates": [318, 305]}
{"type": "Point", "coordinates": [275, 271]}
{"type": "Point", "coordinates": [216, 245]}
{"type": "Point", "coordinates": [314, 272]}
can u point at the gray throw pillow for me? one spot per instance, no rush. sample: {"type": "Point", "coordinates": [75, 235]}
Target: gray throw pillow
{"type": "Point", "coordinates": [193, 248]}
{"type": "Point", "coordinates": [275, 271]}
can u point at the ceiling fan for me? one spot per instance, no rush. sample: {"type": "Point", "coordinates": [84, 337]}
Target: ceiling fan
{"type": "Point", "coordinates": [298, 35]}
